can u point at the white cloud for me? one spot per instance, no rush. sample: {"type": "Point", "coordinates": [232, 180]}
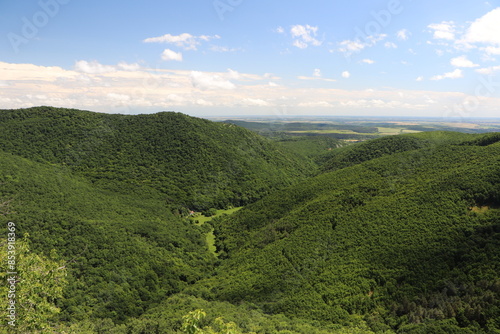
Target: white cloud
{"type": "Point", "coordinates": [485, 29]}
{"type": "Point", "coordinates": [403, 34]}
{"type": "Point", "coordinates": [300, 77]}
{"type": "Point", "coordinates": [300, 44]}
{"type": "Point", "coordinates": [317, 72]}
{"type": "Point", "coordinates": [280, 30]}
{"type": "Point", "coordinates": [346, 74]}
{"type": "Point", "coordinates": [368, 61]}
{"type": "Point", "coordinates": [233, 74]}
{"type": "Point", "coordinates": [390, 45]}
{"type": "Point", "coordinates": [444, 30]}
{"type": "Point", "coordinates": [450, 75]}
{"type": "Point", "coordinates": [168, 55]}
{"type": "Point", "coordinates": [491, 50]}
{"type": "Point", "coordinates": [118, 97]}
{"type": "Point", "coordinates": [151, 90]}
{"type": "Point", "coordinates": [255, 102]}
{"type": "Point", "coordinates": [420, 78]}
{"type": "Point", "coordinates": [128, 67]}
{"type": "Point", "coordinates": [203, 103]}
{"type": "Point", "coordinates": [462, 61]}
{"type": "Point", "coordinates": [304, 36]}
{"type": "Point", "coordinates": [488, 70]}
{"type": "Point", "coordinates": [93, 67]}
{"type": "Point", "coordinates": [185, 40]}
{"type": "Point", "coordinates": [348, 47]}
{"type": "Point", "coordinates": [315, 104]}
{"type": "Point", "coordinates": [204, 81]}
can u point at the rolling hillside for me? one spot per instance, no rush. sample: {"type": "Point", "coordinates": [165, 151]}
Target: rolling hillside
{"type": "Point", "coordinates": [195, 163]}
{"type": "Point", "coordinates": [123, 252]}
{"type": "Point", "coordinates": [396, 235]}
{"type": "Point", "coordinates": [409, 241]}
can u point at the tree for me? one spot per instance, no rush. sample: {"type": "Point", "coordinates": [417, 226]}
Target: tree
{"type": "Point", "coordinates": [34, 283]}
{"type": "Point", "coordinates": [193, 324]}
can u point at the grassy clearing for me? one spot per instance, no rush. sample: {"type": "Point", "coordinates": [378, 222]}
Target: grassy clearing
{"type": "Point", "coordinates": [480, 209]}
{"type": "Point", "coordinates": [210, 237]}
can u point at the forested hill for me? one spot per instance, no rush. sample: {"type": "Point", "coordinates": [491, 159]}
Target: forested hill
{"type": "Point", "coordinates": [196, 163]}
{"type": "Point", "coordinates": [408, 241]}
{"type": "Point", "coordinates": [122, 251]}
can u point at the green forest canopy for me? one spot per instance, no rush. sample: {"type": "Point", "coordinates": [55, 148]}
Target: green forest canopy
{"type": "Point", "coordinates": [396, 235]}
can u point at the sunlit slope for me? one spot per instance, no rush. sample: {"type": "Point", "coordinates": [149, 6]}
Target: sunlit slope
{"type": "Point", "coordinates": [402, 239]}
{"type": "Point", "coordinates": [194, 162]}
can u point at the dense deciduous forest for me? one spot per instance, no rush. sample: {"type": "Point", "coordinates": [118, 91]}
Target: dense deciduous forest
{"type": "Point", "coordinates": [194, 162]}
{"type": "Point", "coordinates": [398, 234]}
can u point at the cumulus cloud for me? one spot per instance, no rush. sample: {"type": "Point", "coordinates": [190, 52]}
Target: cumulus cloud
{"type": "Point", "coordinates": [456, 74]}
{"type": "Point", "coordinates": [348, 47]}
{"type": "Point", "coordinates": [93, 67]}
{"type": "Point", "coordinates": [168, 55]}
{"type": "Point", "coordinates": [145, 90]}
{"type": "Point", "coordinates": [346, 74]}
{"type": "Point", "coordinates": [403, 34]}
{"type": "Point", "coordinates": [185, 40]}
{"type": "Point", "coordinates": [485, 29]}
{"type": "Point", "coordinates": [317, 72]}
{"type": "Point", "coordinates": [205, 81]}
{"type": "Point", "coordinates": [445, 30]}
{"type": "Point", "coordinates": [462, 61]}
{"type": "Point", "coordinates": [128, 67]}
{"type": "Point", "coordinates": [491, 50]}
{"type": "Point", "coordinates": [304, 36]}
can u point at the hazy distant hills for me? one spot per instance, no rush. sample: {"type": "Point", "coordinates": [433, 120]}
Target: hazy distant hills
{"type": "Point", "coordinates": [196, 163]}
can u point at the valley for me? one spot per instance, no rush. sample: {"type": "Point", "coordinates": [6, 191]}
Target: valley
{"type": "Point", "coordinates": [166, 223]}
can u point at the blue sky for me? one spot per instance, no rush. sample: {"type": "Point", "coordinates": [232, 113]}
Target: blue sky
{"type": "Point", "coordinates": [242, 57]}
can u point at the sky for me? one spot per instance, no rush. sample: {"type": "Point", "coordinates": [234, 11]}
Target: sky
{"type": "Point", "coordinates": [252, 57]}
